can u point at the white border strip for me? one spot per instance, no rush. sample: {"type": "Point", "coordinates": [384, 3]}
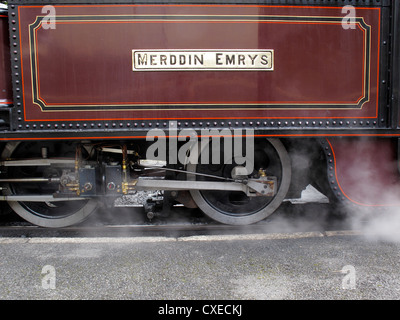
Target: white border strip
{"type": "Point", "coordinates": [201, 238]}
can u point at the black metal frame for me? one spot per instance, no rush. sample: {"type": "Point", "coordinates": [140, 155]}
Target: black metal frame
{"type": "Point", "coordinates": [394, 95]}
{"type": "Point", "coordinates": [386, 123]}
{"type": "Point", "coordinates": [338, 3]}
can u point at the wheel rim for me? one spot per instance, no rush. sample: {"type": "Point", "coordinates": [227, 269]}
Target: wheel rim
{"type": "Point", "coordinates": [46, 214]}
{"type": "Point", "coordinates": [235, 207]}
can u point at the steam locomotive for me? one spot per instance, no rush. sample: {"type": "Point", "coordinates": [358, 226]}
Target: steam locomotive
{"type": "Point", "coordinates": [228, 106]}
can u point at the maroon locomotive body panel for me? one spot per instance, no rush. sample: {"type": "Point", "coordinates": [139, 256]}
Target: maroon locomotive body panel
{"type": "Point", "coordinates": [125, 62]}
{"type": "Point", "coordinates": [366, 171]}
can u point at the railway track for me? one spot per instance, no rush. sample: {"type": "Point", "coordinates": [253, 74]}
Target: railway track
{"type": "Point", "coordinates": [290, 220]}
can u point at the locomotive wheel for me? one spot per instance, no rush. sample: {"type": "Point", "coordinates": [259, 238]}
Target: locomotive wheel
{"type": "Point", "coordinates": [236, 208]}
{"type": "Point", "coordinates": [45, 214]}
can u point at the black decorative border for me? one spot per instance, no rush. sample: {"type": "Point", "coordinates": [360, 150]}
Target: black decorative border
{"type": "Point", "coordinates": [339, 3]}
{"type": "Point", "coordinates": [331, 172]}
